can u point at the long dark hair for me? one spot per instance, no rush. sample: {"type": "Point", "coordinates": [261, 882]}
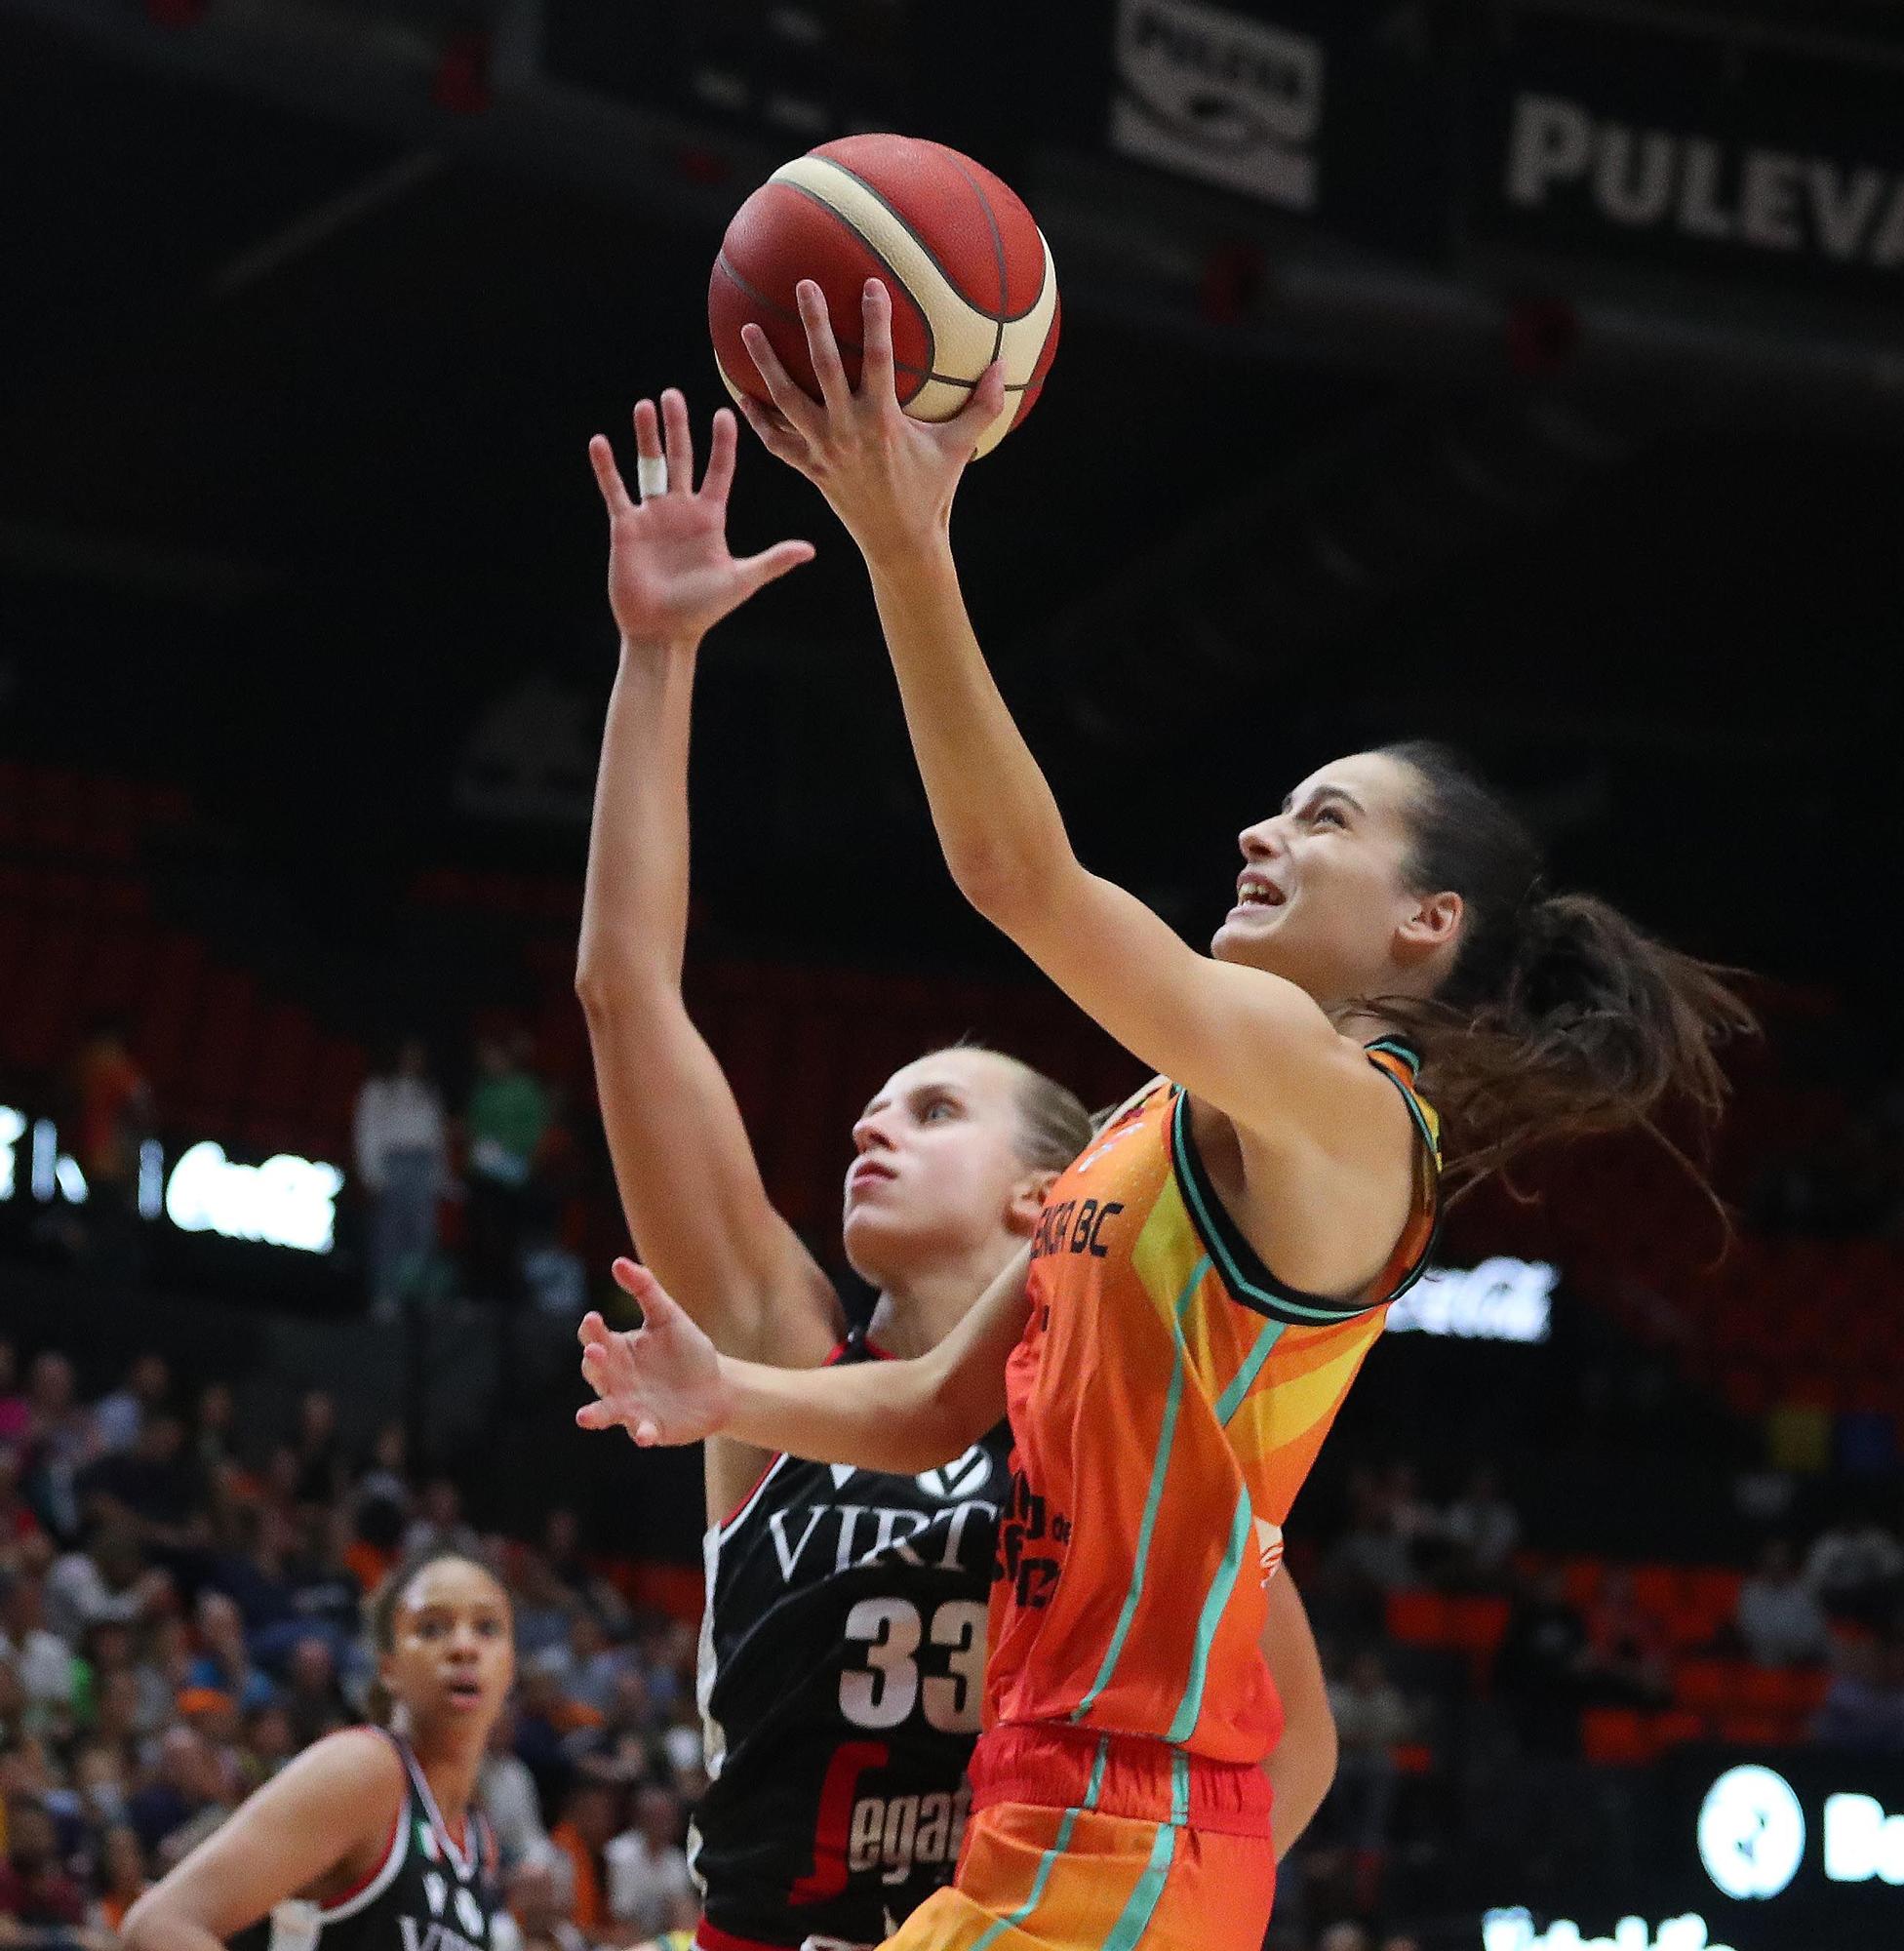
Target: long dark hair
{"type": "Point", "coordinates": [387, 1601]}
{"type": "Point", "coordinates": [1560, 1019]}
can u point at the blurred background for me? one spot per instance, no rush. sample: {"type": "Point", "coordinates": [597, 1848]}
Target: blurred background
{"type": "Point", "coordinates": [1529, 374]}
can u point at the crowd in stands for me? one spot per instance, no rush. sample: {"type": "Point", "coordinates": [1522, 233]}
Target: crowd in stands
{"type": "Point", "coordinates": [181, 1612]}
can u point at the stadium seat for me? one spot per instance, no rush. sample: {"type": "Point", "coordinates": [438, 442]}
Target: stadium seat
{"type": "Point", "coordinates": [1419, 1618]}
{"type": "Point", "coordinates": [1616, 1736]}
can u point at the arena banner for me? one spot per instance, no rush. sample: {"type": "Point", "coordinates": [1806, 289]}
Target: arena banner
{"type": "Point", "coordinates": [1311, 109]}
{"type": "Point", "coordinates": [1690, 154]}
{"type": "Point", "coordinates": [1787, 1850]}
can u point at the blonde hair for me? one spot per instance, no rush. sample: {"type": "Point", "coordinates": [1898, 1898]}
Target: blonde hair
{"type": "Point", "coordinates": [1054, 1126]}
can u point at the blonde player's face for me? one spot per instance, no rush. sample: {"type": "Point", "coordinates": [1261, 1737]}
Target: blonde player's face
{"type": "Point", "coordinates": [453, 1656]}
{"type": "Point", "coordinates": [936, 1173]}
{"type": "Point", "coordinates": [1323, 898]}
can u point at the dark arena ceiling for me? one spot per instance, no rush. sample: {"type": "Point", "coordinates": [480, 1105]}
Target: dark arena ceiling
{"type": "Point", "coordinates": [298, 375]}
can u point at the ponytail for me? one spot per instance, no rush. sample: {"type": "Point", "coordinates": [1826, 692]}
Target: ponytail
{"type": "Point", "coordinates": [1560, 1019]}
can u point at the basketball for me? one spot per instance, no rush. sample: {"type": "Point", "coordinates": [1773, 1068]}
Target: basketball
{"type": "Point", "coordinates": [968, 271]}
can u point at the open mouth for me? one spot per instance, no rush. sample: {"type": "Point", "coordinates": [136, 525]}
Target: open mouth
{"type": "Point", "coordinates": [466, 1692]}
{"type": "Point", "coordinates": [1258, 890]}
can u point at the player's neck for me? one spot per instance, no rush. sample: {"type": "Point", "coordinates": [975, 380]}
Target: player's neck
{"type": "Point", "coordinates": [450, 1769]}
{"type": "Point", "coordinates": [913, 1316]}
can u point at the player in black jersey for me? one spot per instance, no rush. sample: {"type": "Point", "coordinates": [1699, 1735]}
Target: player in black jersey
{"type": "Point", "coordinates": [844, 1639]}
{"type": "Point", "coordinates": [366, 1841]}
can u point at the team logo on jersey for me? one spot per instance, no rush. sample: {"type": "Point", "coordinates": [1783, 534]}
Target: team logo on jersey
{"type": "Point", "coordinates": [964, 1476]}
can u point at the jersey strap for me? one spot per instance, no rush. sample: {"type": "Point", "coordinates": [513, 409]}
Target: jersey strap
{"type": "Point", "coordinates": [1241, 1267]}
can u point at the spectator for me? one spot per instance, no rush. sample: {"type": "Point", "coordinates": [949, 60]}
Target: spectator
{"type": "Point", "coordinates": [226, 1663]}
{"type": "Point", "coordinates": [122, 1878]}
{"type": "Point", "coordinates": [16, 1411]}
{"type": "Point", "coordinates": [1626, 1665]}
{"type": "Point", "coordinates": [153, 1487]}
{"type": "Point", "coordinates": [646, 1867]}
{"type": "Point", "coordinates": [1779, 1620]}
{"type": "Point", "coordinates": [506, 1791]}
{"type": "Point", "coordinates": [439, 1524]}
{"type": "Point", "coordinates": [214, 1418]}
{"type": "Point", "coordinates": [113, 1107]}
{"type": "Point", "coordinates": [1346, 1936]}
{"type": "Point", "coordinates": [536, 1918]}
{"type": "Point", "coordinates": [59, 1444]}
{"type": "Point", "coordinates": [33, 1888]}
{"type": "Point", "coordinates": [319, 1450]}
{"type": "Point", "coordinates": [312, 1699]}
{"type": "Point", "coordinates": [1540, 1670]}
{"type": "Point", "coordinates": [118, 1419]}
{"type": "Point", "coordinates": [507, 1114]}
{"type": "Point", "coordinates": [182, 1785]}
{"type": "Point", "coordinates": [1373, 1553]}
{"type": "Point", "coordinates": [584, 1834]}
{"type": "Point", "coordinates": [588, 1668]}
{"type": "Point", "coordinates": [1863, 1709]}
{"type": "Point", "coordinates": [543, 1603]}
{"type": "Point", "coordinates": [44, 1662]}
{"type": "Point", "coordinates": [1854, 1569]}
{"type": "Point", "coordinates": [1482, 1530]}
{"type": "Point", "coordinates": [105, 1581]}
{"type": "Point", "coordinates": [1371, 1719]}
{"type": "Point", "coordinates": [624, 1748]}
{"type": "Point", "coordinates": [270, 1742]}
{"type": "Point", "coordinates": [403, 1155]}
{"type": "Point", "coordinates": [326, 1594]}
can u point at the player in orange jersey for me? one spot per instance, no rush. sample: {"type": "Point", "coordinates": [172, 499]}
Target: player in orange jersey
{"type": "Point", "coordinates": [1209, 1274]}
{"type": "Point", "coordinates": [821, 1760]}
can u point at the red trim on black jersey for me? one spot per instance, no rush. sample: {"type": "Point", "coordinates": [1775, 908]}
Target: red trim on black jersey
{"type": "Point", "coordinates": [383, 1862]}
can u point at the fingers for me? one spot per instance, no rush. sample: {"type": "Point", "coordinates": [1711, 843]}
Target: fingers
{"type": "Point", "coordinates": [721, 447]}
{"type": "Point", "coordinates": [630, 1276]}
{"type": "Point", "coordinates": [968, 427]}
{"type": "Point", "coordinates": [781, 440]}
{"type": "Point", "coordinates": [648, 430]}
{"type": "Point", "coordinates": [608, 477]}
{"type": "Point", "coordinates": [875, 338]}
{"type": "Point", "coordinates": [799, 411]}
{"type": "Point", "coordinates": [592, 1329]}
{"type": "Point", "coordinates": [774, 562]}
{"type": "Point", "coordinates": [823, 347]}
{"type": "Point", "coordinates": [595, 1416]}
{"type": "Point", "coordinates": [679, 438]}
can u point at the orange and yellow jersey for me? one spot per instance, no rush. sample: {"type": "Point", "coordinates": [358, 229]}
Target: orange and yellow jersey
{"type": "Point", "coordinates": [1167, 1402]}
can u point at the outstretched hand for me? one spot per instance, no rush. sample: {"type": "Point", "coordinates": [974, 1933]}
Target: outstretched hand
{"type": "Point", "coordinates": [889, 477]}
{"type": "Point", "coordinates": [663, 1381]}
{"type": "Point", "coordinates": [670, 576]}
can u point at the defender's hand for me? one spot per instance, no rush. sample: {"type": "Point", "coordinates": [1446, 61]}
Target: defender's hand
{"type": "Point", "coordinates": [663, 1383]}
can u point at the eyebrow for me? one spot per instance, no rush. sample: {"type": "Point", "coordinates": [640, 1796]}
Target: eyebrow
{"type": "Point", "coordinates": [930, 1087]}
{"type": "Point", "coordinates": [1330, 792]}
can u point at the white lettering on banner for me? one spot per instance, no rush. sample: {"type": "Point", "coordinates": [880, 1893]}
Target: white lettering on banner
{"type": "Point", "coordinates": [1513, 1931]}
{"type": "Point", "coordinates": [1861, 1841]}
{"type": "Point", "coordinates": [1751, 1832]}
{"type": "Point", "coordinates": [1502, 1300]}
{"type": "Point", "coordinates": [1721, 191]}
{"type": "Point", "coordinates": [1214, 96]}
{"type": "Point", "coordinates": [285, 1202]}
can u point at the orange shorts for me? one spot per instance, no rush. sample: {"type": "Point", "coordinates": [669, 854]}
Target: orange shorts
{"type": "Point", "coordinates": [1151, 1851]}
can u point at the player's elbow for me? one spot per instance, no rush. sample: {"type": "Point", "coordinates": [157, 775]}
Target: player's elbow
{"type": "Point", "coordinates": [1007, 884]}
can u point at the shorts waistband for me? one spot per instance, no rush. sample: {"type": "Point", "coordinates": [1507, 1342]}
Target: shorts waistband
{"type": "Point", "coordinates": [711, 1937]}
{"type": "Point", "coordinates": [1133, 1775]}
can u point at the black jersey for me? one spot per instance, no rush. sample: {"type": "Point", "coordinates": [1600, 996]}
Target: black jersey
{"type": "Point", "coordinates": [841, 1673]}
{"type": "Point", "coordinates": [427, 1894]}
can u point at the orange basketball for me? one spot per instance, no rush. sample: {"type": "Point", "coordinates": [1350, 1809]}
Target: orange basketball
{"type": "Point", "coordinates": [969, 271]}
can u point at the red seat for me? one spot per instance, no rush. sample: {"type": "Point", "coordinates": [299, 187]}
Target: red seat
{"type": "Point", "coordinates": [1710, 1686]}
{"type": "Point", "coordinates": [1419, 1618]}
{"type": "Point", "coordinates": [1616, 1736]}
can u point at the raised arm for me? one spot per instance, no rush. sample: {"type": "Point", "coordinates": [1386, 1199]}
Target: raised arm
{"type": "Point", "coordinates": [1255, 1047]}
{"type": "Point", "coordinates": [689, 1181]}
{"type": "Point", "coordinates": [665, 1383]}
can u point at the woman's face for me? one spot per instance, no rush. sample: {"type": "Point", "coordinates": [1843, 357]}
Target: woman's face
{"type": "Point", "coordinates": [1323, 899]}
{"type": "Point", "coordinates": [937, 1172]}
{"type": "Point", "coordinates": [453, 1656]}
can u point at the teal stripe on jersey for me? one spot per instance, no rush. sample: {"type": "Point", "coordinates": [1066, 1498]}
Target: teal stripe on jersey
{"type": "Point", "coordinates": [1215, 1601]}
{"type": "Point", "coordinates": [1154, 1499]}
{"type": "Point", "coordinates": [1231, 1400]}
{"type": "Point", "coordinates": [1047, 1862]}
{"type": "Point", "coordinates": [1144, 1900]}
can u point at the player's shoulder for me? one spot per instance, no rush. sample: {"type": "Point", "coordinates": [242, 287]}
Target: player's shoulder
{"type": "Point", "coordinates": [353, 1761]}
